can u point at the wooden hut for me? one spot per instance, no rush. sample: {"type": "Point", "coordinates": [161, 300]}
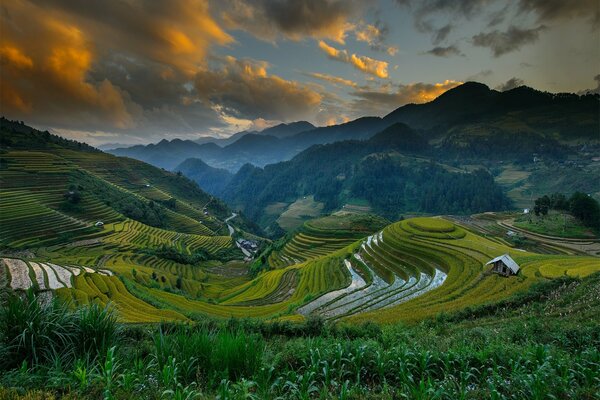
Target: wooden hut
{"type": "Point", "coordinates": [504, 265]}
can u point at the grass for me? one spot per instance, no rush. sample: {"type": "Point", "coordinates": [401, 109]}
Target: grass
{"type": "Point", "coordinates": [298, 212]}
{"type": "Point", "coordinates": [541, 344]}
{"type": "Point", "coordinates": [554, 224]}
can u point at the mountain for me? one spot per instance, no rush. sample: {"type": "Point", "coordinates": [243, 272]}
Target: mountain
{"type": "Point", "coordinates": [393, 172]}
{"type": "Point", "coordinates": [212, 180]}
{"type": "Point", "coordinates": [286, 130]}
{"type": "Point", "coordinates": [460, 120]}
{"type": "Point", "coordinates": [55, 190]}
{"type": "Point", "coordinates": [279, 131]}
{"type": "Point", "coordinates": [111, 146]}
{"type": "Point", "coordinates": [472, 105]}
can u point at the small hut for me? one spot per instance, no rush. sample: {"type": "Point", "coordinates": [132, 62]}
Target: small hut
{"type": "Point", "coordinates": [504, 265]}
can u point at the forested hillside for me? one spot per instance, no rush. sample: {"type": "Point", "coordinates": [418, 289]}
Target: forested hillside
{"type": "Point", "coordinates": [390, 170]}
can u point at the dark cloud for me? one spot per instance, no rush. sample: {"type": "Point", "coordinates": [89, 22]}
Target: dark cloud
{"type": "Point", "coordinates": [510, 84]}
{"type": "Point", "coordinates": [595, 90]}
{"type": "Point", "coordinates": [480, 76]}
{"type": "Point", "coordinates": [552, 10]}
{"type": "Point", "coordinates": [442, 33]}
{"type": "Point", "coordinates": [243, 89]}
{"type": "Point", "coordinates": [448, 51]}
{"type": "Point", "coordinates": [505, 42]}
{"type": "Point", "coordinates": [423, 10]}
{"type": "Point", "coordinates": [293, 19]}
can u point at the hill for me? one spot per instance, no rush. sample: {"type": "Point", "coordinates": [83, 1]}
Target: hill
{"type": "Point", "coordinates": [392, 171]}
{"type": "Point", "coordinates": [212, 180]}
{"type": "Point", "coordinates": [278, 131]}
{"type": "Point", "coordinates": [470, 121]}
{"type": "Point", "coordinates": [564, 116]}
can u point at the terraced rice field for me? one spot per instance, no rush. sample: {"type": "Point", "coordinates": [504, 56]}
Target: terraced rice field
{"type": "Point", "coordinates": [434, 247]}
{"type": "Point", "coordinates": [351, 266]}
{"type": "Point", "coordinates": [132, 234]}
{"type": "Point", "coordinates": [320, 237]}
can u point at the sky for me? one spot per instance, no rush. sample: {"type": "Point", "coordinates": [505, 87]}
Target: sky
{"type": "Point", "coordinates": [138, 71]}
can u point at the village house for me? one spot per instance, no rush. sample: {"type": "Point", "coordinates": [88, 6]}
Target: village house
{"type": "Point", "coordinates": [504, 265]}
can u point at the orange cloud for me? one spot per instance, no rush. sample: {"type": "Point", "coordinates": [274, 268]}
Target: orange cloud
{"type": "Point", "coordinates": [15, 57]}
{"type": "Point", "coordinates": [246, 90]}
{"type": "Point", "coordinates": [391, 96]}
{"type": "Point", "coordinates": [374, 36]}
{"type": "Point", "coordinates": [49, 78]}
{"type": "Point", "coordinates": [336, 80]}
{"type": "Point", "coordinates": [52, 53]}
{"type": "Point", "coordinates": [365, 64]}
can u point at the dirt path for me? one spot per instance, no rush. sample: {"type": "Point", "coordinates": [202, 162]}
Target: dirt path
{"type": "Point", "coordinates": [231, 229]}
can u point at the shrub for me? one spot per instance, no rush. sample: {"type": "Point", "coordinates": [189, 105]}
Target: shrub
{"type": "Point", "coordinates": [33, 332]}
{"type": "Point", "coordinates": [97, 331]}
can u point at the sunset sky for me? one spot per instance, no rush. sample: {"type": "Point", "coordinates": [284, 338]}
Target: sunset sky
{"type": "Point", "coordinates": [137, 71]}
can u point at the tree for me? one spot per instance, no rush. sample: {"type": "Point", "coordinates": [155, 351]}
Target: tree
{"type": "Point", "coordinates": [542, 205]}
{"type": "Point", "coordinates": [586, 209]}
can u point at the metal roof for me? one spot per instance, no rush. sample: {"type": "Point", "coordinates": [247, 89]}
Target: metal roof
{"type": "Point", "coordinates": [508, 261]}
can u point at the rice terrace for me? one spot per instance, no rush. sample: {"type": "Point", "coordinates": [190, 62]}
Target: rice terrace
{"type": "Point", "coordinates": [308, 199]}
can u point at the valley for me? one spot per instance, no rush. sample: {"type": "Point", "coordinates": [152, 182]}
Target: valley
{"type": "Point", "coordinates": [383, 233]}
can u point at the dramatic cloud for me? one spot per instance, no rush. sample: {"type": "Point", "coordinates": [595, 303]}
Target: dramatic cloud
{"type": "Point", "coordinates": [176, 33]}
{"type": "Point", "coordinates": [98, 66]}
{"type": "Point", "coordinates": [363, 63]}
{"type": "Point", "coordinates": [389, 97]}
{"type": "Point", "coordinates": [505, 42]}
{"type": "Point", "coordinates": [48, 79]}
{"type": "Point", "coordinates": [449, 51]}
{"type": "Point", "coordinates": [510, 84]}
{"type": "Point", "coordinates": [336, 80]}
{"type": "Point", "coordinates": [375, 36]}
{"type": "Point", "coordinates": [243, 89]}
{"type": "Point", "coordinates": [292, 19]}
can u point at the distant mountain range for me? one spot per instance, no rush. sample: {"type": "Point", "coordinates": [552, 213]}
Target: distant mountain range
{"type": "Point", "coordinates": [393, 172]}
{"type": "Point", "coordinates": [462, 120]}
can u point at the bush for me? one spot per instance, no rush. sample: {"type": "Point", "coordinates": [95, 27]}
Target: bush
{"type": "Point", "coordinates": [35, 333]}
{"type": "Point", "coordinates": [39, 333]}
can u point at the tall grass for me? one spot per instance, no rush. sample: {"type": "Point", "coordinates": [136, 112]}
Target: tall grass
{"type": "Point", "coordinates": [37, 332]}
{"type": "Point", "coordinates": [545, 346]}
{"type": "Point", "coordinates": [209, 355]}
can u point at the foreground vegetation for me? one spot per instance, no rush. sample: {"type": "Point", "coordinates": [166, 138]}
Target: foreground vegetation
{"type": "Point", "coordinates": [541, 344]}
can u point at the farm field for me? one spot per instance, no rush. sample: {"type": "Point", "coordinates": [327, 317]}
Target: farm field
{"type": "Point", "coordinates": [298, 212]}
{"type": "Point", "coordinates": [91, 228]}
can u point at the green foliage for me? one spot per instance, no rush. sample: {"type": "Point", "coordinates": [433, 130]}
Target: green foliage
{"type": "Point", "coordinates": [36, 332]}
{"type": "Point", "coordinates": [97, 330]}
{"type": "Point", "coordinates": [532, 346]}
{"type": "Point", "coordinates": [581, 205]}
{"type": "Point", "coordinates": [586, 209]}
{"type": "Point", "coordinates": [174, 254]}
